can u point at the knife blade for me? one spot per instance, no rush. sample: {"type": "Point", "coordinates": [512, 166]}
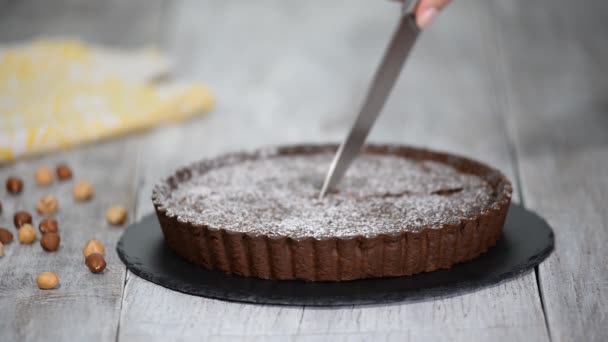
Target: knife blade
{"type": "Point", "coordinates": [386, 75]}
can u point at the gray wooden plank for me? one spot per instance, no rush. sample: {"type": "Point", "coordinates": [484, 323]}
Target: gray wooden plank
{"type": "Point", "coordinates": [114, 22]}
{"type": "Point", "coordinates": [555, 94]}
{"type": "Point", "coordinates": [287, 72]}
{"type": "Point", "coordinates": [86, 306]}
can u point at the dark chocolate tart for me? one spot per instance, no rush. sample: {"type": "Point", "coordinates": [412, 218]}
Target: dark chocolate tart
{"type": "Point", "coordinates": [398, 211]}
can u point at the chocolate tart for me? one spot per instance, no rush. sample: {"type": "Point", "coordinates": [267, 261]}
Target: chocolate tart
{"type": "Point", "coordinates": [398, 211]}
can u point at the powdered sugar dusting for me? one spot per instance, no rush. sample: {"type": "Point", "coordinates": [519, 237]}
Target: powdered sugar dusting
{"type": "Point", "coordinates": [277, 196]}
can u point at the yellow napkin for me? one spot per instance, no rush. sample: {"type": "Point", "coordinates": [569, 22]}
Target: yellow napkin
{"type": "Point", "coordinates": [59, 93]}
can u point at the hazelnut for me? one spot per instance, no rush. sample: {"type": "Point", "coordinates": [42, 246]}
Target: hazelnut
{"type": "Point", "coordinates": [14, 185]}
{"type": "Point", "coordinates": [47, 280]}
{"type": "Point", "coordinates": [21, 218]}
{"type": "Point", "coordinates": [47, 205]}
{"type": "Point", "coordinates": [50, 241]}
{"type": "Point", "coordinates": [95, 262]}
{"type": "Point", "coordinates": [1, 249]}
{"type": "Point", "coordinates": [93, 247]}
{"type": "Point", "coordinates": [27, 234]}
{"type": "Point", "coordinates": [83, 191]}
{"type": "Point", "coordinates": [5, 236]}
{"type": "Point", "coordinates": [48, 226]}
{"type": "Point", "coordinates": [63, 172]}
{"type": "Point", "coordinates": [44, 176]}
{"type": "Point", "coordinates": [116, 215]}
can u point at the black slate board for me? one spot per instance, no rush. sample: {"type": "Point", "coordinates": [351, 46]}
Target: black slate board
{"type": "Point", "coordinates": [527, 240]}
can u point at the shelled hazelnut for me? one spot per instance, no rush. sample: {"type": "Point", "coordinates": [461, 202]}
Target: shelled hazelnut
{"type": "Point", "coordinates": [50, 241]}
{"type": "Point", "coordinates": [5, 236]}
{"type": "Point", "coordinates": [83, 191]}
{"type": "Point", "coordinates": [96, 263]}
{"type": "Point", "coordinates": [48, 226]}
{"type": "Point", "coordinates": [47, 280]}
{"type": "Point", "coordinates": [44, 176]}
{"type": "Point", "coordinates": [93, 247]}
{"type": "Point", "coordinates": [63, 172]}
{"type": "Point", "coordinates": [27, 234]}
{"type": "Point", "coordinates": [21, 217]}
{"type": "Point", "coordinates": [47, 205]}
{"type": "Point", "coordinates": [14, 185]}
{"type": "Point", "coordinates": [116, 215]}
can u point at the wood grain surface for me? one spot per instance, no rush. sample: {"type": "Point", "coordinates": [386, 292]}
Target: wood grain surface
{"type": "Point", "coordinates": [555, 61]}
{"type": "Point", "coordinates": [519, 85]}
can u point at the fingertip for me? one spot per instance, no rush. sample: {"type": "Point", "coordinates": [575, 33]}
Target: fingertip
{"type": "Point", "coordinates": [424, 16]}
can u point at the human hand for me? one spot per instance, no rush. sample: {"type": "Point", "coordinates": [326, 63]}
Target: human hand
{"type": "Point", "coordinates": [426, 11]}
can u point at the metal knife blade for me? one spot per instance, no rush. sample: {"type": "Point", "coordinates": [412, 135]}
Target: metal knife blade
{"type": "Point", "coordinates": [394, 57]}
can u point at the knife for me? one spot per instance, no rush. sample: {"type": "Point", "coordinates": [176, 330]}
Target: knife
{"type": "Point", "coordinates": [386, 75]}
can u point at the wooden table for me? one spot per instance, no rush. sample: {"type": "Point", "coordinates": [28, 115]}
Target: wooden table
{"type": "Point", "coordinates": [521, 85]}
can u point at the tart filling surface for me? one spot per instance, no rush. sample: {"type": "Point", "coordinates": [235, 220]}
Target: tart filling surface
{"type": "Point", "coordinates": [277, 196]}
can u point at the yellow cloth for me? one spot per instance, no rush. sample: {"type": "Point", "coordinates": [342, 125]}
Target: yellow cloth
{"type": "Point", "coordinates": [59, 93]}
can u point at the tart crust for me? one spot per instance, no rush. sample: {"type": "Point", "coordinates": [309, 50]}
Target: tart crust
{"type": "Point", "coordinates": [336, 258]}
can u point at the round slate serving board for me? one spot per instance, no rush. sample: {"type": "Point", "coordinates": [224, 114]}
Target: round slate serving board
{"type": "Point", "coordinates": [527, 240]}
